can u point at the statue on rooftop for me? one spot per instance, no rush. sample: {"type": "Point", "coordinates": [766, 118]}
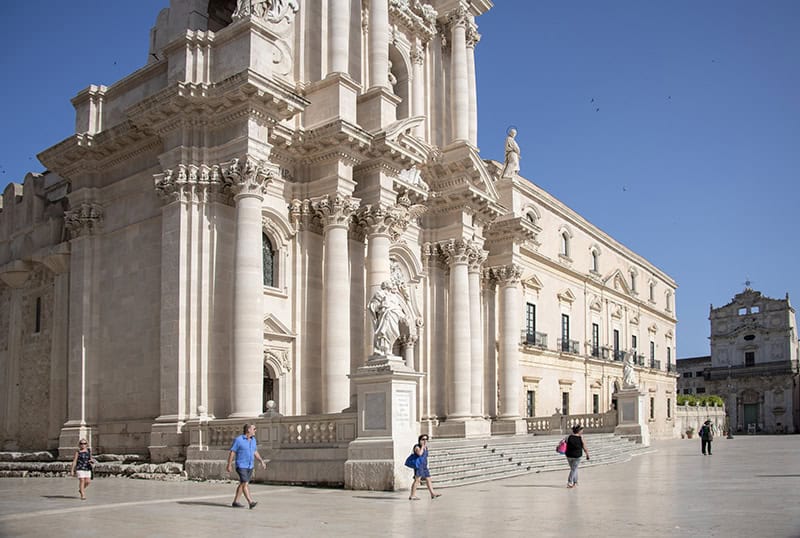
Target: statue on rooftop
{"type": "Point", "coordinates": [511, 166]}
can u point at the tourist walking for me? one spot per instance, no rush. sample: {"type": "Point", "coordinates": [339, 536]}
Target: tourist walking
{"type": "Point", "coordinates": [575, 449]}
{"type": "Point", "coordinates": [82, 464]}
{"type": "Point", "coordinates": [245, 451]}
{"type": "Point", "coordinates": [706, 436]}
{"type": "Point", "coordinates": [421, 469]}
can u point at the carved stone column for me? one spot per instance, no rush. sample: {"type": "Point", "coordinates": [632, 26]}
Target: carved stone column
{"type": "Point", "coordinates": [83, 224]}
{"type": "Point", "coordinates": [476, 259]}
{"type": "Point", "coordinates": [508, 278]}
{"type": "Point", "coordinates": [14, 276]}
{"type": "Point", "coordinates": [472, 39]}
{"type": "Point", "coordinates": [377, 223]}
{"type": "Point", "coordinates": [459, 92]}
{"type": "Point", "coordinates": [490, 369]}
{"type": "Point", "coordinates": [418, 86]}
{"type": "Point", "coordinates": [379, 44]}
{"type": "Point", "coordinates": [339, 36]}
{"type": "Point", "coordinates": [248, 181]}
{"type": "Point", "coordinates": [459, 365]}
{"type": "Point", "coordinates": [335, 211]}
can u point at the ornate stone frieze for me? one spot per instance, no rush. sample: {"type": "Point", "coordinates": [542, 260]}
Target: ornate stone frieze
{"type": "Point", "coordinates": [334, 209]}
{"type": "Point", "coordinates": [247, 177]}
{"type": "Point", "coordinates": [458, 16]}
{"type": "Point", "coordinates": [417, 18]}
{"type": "Point", "coordinates": [85, 219]}
{"type": "Point", "coordinates": [507, 274]}
{"type": "Point", "coordinates": [188, 183]}
{"type": "Point", "coordinates": [269, 10]}
{"type": "Point", "coordinates": [473, 37]}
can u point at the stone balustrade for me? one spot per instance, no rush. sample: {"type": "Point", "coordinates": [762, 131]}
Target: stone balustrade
{"type": "Point", "coordinates": [558, 423]}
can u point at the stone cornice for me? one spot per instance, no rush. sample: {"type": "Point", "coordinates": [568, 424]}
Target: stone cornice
{"type": "Point", "coordinates": [517, 229]}
{"type": "Point", "coordinates": [335, 140]}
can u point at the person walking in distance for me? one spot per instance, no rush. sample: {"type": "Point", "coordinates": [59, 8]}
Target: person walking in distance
{"type": "Point", "coordinates": [82, 464]}
{"type": "Point", "coordinates": [421, 470]}
{"type": "Point", "coordinates": [575, 449]}
{"type": "Point", "coordinates": [245, 451]}
{"type": "Point", "coordinates": [706, 436]}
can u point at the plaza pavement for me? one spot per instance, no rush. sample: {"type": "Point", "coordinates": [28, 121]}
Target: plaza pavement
{"type": "Point", "coordinates": [750, 487]}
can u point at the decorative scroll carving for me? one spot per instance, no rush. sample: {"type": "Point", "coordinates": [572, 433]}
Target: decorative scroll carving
{"type": "Point", "coordinates": [334, 209]}
{"type": "Point", "coordinates": [83, 220]}
{"type": "Point", "coordinates": [506, 274]}
{"type": "Point", "coordinates": [473, 37]}
{"type": "Point", "coordinates": [417, 55]}
{"type": "Point", "coordinates": [271, 10]}
{"type": "Point", "coordinates": [190, 183]}
{"type": "Point", "coordinates": [247, 179]}
{"type": "Point", "coordinates": [458, 16]}
{"type": "Point", "coordinates": [476, 258]}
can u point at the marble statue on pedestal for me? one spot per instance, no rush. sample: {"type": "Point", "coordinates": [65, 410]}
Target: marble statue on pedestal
{"type": "Point", "coordinates": [628, 375]}
{"type": "Point", "coordinates": [511, 166]}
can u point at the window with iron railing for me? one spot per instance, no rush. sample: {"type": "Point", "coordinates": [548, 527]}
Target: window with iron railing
{"type": "Point", "coordinates": [534, 339]}
{"type": "Point", "coordinates": [595, 340]}
{"type": "Point", "coordinates": [569, 346]}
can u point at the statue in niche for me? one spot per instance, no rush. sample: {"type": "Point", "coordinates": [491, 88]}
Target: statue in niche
{"type": "Point", "coordinates": [388, 312]}
{"type": "Point", "coordinates": [511, 166]}
{"type": "Point", "coordinates": [628, 375]}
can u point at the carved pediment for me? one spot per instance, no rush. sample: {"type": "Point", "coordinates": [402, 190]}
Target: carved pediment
{"type": "Point", "coordinates": [616, 280]}
{"type": "Point", "coordinates": [275, 329]}
{"type": "Point", "coordinates": [596, 304]}
{"type": "Point", "coordinates": [566, 296]}
{"type": "Point", "coordinates": [532, 283]}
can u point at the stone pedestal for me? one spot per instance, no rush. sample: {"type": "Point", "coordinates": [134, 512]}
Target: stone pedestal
{"type": "Point", "coordinates": [631, 422]}
{"type": "Point", "coordinates": [377, 108]}
{"type": "Point", "coordinates": [332, 98]}
{"type": "Point", "coordinates": [167, 440]}
{"type": "Point", "coordinates": [386, 392]}
{"type": "Point", "coordinates": [466, 429]}
{"type": "Point", "coordinates": [509, 427]}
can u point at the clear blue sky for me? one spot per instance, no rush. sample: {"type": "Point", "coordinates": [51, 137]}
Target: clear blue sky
{"type": "Point", "coordinates": [692, 161]}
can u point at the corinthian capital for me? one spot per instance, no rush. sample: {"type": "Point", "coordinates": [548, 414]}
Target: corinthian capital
{"type": "Point", "coordinates": [507, 275]}
{"type": "Point", "coordinates": [459, 16]}
{"type": "Point", "coordinates": [83, 220]}
{"type": "Point", "coordinates": [473, 37]}
{"type": "Point", "coordinates": [476, 258]}
{"type": "Point", "coordinates": [248, 178]}
{"type": "Point", "coordinates": [455, 251]}
{"type": "Point", "coordinates": [187, 183]}
{"type": "Point", "coordinates": [334, 209]}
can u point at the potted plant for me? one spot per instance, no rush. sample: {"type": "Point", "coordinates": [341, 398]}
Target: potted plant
{"type": "Point", "coordinates": [689, 432]}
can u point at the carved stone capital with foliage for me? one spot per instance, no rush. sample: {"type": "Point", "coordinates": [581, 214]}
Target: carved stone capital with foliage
{"type": "Point", "coordinates": [192, 183]}
{"type": "Point", "coordinates": [334, 209]}
{"type": "Point", "coordinates": [83, 220]}
{"type": "Point", "coordinates": [507, 275]}
{"type": "Point", "coordinates": [247, 177]}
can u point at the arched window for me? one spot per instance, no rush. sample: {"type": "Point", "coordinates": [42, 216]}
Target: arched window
{"type": "Point", "coordinates": [268, 255]}
{"type": "Point", "coordinates": [565, 244]}
{"type": "Point", "coordinates": [595, 261]}
{"type": "Point", "coordinates": [633, 280]}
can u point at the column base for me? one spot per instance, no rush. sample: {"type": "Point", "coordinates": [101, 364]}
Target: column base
{"type": "Point", "coordinates": [509, 426]}
{"type": "Point", "coordinates": [469, 428]}
{"type": "Point", "coordinates": [377, 464]}
{"type": "Point", "coordinates": [377, 108]}
{"type": "Point", "coordinates": [631, 422]}
{"type": "Point", "coordinates": [71, 433]}
{"type": "Point", "coordinates": [332, 98]}
{"type": "Point", "coordinates": [167, 441]}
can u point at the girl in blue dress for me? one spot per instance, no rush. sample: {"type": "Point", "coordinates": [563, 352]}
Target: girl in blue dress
{"type": "Point", "coordinates": [421, 470]}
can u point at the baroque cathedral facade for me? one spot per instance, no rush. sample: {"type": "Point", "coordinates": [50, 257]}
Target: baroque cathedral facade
{"type": "Point", "coordinates": [210, 237]}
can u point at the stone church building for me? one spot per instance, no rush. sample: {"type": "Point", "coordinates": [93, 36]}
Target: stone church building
{"type": "Point", "coordinates": [753, 364]}
{"type": "Point", "coordinates": [211, 236]}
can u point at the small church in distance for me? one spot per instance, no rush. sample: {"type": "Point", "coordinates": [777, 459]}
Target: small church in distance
{"type": "Point", "coordinates": [753, 364]}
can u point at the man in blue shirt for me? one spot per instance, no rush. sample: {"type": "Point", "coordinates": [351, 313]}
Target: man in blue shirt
{"type": "Point", "coordinates": [244, 449]}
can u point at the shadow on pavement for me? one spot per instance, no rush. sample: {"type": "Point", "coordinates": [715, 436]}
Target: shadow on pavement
{"type": "Point", "coordinates": [206, 503]}
{"type": "Point", "coordinates": [60, 496]}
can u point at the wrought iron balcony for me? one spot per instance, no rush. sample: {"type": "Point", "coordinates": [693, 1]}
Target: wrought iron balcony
{"type": "Point", "coordinates": [655, 364]}
{"type": "Point", "coordinates": [619, 355]}
{"type": "Point", "coordinates": [534, 339]}
{"type": "Point", "coordinates": [569, 346]}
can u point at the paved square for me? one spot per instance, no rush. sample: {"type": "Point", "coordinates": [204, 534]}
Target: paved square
{"type": "Point", "coordinates": [749, 487]}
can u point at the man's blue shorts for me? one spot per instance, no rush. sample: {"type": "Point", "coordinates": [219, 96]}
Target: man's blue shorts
{"type": "Point", "coordinates": [244, 474]}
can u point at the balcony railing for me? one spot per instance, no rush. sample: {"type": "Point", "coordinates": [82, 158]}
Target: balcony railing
{"type": "Point", "coordinates": [618, 355]}
{"type": "Point", "coordinates": [534, 339]}
{"type": "Point", "coordinates": [655, 365]}
{"type": "Point", "coordinates": [569, 346]}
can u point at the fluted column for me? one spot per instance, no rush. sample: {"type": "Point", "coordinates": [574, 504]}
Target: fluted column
{"type": "Point", "coordinates": [459, 91]}
{"type": "Point", "coordinates": [376, 222]}
{"type": "Point", "coordinates": [248, 180]}
{"type": "Point", "coordinates": [379, 43]}
{"type": "Point", "coordinates": [339, 36]}
{"type": "Point", "coordinates": [418, 87]}
{"type": "Point", "coordinates": [335, 211]}
{"type": "Point", "coordinates": [508, 278]}
{"type": "Point", "coordinates": [472, 39]}
{"type": "Point", "coordinates": [490, 370]}
{"type": "Point", "coordinates": [476, 259]}
{"type": "Point", "coordinates": [459, 365]}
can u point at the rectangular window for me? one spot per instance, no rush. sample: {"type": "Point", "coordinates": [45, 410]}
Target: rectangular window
{"type": "Point", "coordinates": [698, 374]}
{"type": "Point", "coordinates": [616, 344]}
{"type": "Point", "coordinates": [564, 332]}
{"type": "Point", "coordinates": [669, 408]}
{"type": "Point", "coordinates": [700, 390]}
{"type": "Point", "coordinates": [595, 340]}
{"type": "Point", "coordinates": [749, 358]}
{"type": "Point", "coordinates": [669, 355]}
{"type": "Point", "coordinates": [687, 374]}
{"type": "Point", "coordinates": [652, 350]}
{"type": "Point", "coordinates": [595, 403]}
{"type": "Point", "coordinates": [531, 403]}
{"type": "Point", "coordinates": [38, 321]}
{"type": "Point", "coordinates": [687, 391]}
{"type": "Point", "coordinates": [634, 342]}
{"type": "Point", "coordinates": [530, 322]}
{"type": "Point", "coordinates": [652, 408]}
{"type": "Point", "coordinates": [565, 403]}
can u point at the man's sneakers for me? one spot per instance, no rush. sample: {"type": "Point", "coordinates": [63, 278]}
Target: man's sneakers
{"type": "Point", "coordinates": [237, 505]}
{"type": "Point", "coordinates": [253, 504]}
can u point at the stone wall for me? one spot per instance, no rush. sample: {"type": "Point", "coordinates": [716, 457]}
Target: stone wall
{"type": "Point", "coordinates": [696, 415]}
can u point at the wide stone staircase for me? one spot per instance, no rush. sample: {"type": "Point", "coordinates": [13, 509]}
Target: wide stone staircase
{"type": "Point", "coordinates": [461, 462]}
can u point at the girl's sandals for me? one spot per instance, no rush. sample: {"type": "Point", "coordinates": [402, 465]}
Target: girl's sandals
{"type": "Point", "coordinates": [436, 495]}
{"type": "Point", "coordinates": [413, 498]}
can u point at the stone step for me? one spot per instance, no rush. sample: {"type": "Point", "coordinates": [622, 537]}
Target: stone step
{"type": "Point", "coordinates": [18, 464]}
{"type": "Point", "coordinates": [455, 463]}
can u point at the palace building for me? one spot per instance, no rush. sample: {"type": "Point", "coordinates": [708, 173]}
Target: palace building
{"type": "Point", "coordinates": [212, 236]}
